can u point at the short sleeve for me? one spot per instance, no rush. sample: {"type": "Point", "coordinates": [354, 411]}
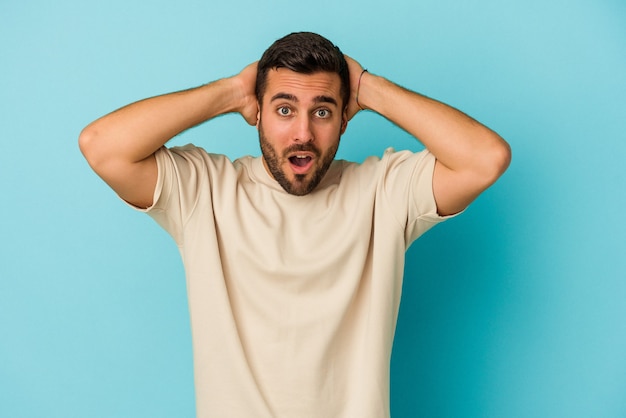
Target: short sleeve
{"type": "Point", "coordinates": [182, 175]}
{"type": "Point", "coordinates": [408, 186]}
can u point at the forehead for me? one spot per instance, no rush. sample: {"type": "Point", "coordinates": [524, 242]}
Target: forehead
{"type": "Point", "coordinates": [304, 87]}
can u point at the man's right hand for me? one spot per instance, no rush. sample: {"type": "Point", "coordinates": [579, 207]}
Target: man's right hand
{"type": "Point", "coordinates": [245, 83]}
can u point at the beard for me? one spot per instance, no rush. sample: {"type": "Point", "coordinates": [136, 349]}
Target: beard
{"type": "Point", "coordinates": [302, 184]}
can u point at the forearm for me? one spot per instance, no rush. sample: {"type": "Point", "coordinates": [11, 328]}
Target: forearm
{"type": "Point", "coordinates": [136, 131]}
{"type": "Point", "coordinates": [458, 142]}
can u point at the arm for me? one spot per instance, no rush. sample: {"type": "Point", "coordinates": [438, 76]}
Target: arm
{"type": "Point", "coordinates": [120, 146]}
{"type": "Point", "coordinates": [470, 156]}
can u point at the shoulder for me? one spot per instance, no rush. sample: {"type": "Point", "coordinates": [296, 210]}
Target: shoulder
{"type": "Point", "coordinates": [391, 157]}
{"type": "Point", "coordinates": [191, 157]}
{"type": "Point", "coordinates": [390, 163]}
{"type": "Point", "coordinates": [191, 151]}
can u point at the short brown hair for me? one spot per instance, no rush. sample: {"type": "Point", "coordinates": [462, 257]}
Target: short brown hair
{"type": "Point", "coordinates": [306, 53]}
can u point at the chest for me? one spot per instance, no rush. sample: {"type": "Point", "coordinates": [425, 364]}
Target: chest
{"type": "Point", "coordinates": [289, 235]}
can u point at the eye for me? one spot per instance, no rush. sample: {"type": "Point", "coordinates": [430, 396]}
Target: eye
{"type": "Point", "coordinates": [322, 113]}
{"type": "Point", "coordinates": [284, 111]}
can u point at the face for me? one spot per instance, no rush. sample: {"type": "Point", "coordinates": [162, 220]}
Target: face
{"type": "Point", "coordinates": [300, 122]}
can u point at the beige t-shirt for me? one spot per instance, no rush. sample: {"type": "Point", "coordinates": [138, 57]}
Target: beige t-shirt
{"type": "Point", "coordinates": [293, 299]}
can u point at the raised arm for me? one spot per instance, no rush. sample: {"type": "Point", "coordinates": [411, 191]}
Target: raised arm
{"type": "Point", "coordinates": [120, 146]}
{"type": "Point", "coordinates": [470, 156]}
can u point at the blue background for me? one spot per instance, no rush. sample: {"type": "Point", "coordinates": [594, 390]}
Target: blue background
{"type": "Point", "coordinates": [515, 309]}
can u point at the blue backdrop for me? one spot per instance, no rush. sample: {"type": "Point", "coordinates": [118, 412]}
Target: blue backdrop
{"type": "Point", "coordinates": [514, 309]}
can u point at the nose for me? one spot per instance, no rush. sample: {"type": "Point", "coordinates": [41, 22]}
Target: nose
{"type": "Point", "coordinates": [303, 131]}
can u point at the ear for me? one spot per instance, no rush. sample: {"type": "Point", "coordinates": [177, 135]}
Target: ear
{"type": "Point", "coordinates": [344, 121]}
{"type": "Point", "coordinates": [258, 114]}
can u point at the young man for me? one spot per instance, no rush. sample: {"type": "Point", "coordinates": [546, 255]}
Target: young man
{"type": "Point", "coordinates": [294, 260]}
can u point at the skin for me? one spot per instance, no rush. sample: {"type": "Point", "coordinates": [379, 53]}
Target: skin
{"type": "Point", "coordinates": [120, 146]}
{"type": "Point", "coordinates": [469, 156]}
{"type": "Point", "coordinates": [301, 118]}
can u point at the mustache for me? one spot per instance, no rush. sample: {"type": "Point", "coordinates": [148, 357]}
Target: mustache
{"type": "Point", "coordinates": [307, 147]}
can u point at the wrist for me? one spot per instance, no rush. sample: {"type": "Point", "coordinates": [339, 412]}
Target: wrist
{"type": "Point", "coordinates": [242, 97]}
{"type": "Point", "coordinates": [370, 94]}
{"type": "Point", "coordinates": [365, 94]}
{"type": "Point", "coordinates": [358, 89]}
{"type": "Point", "coordinates": [228, 97]}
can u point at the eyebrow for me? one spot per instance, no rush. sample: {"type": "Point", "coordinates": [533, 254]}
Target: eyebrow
{"type": "Point", "coordinates": [292, 98]}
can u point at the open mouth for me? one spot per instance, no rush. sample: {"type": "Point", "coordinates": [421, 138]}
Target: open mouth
{"type": "Point", "coordinates": [300, 160]}
{"type": "Point", "coordinates": [300, 163]}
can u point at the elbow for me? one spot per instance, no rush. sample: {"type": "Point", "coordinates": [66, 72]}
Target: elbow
{"type": "Point", "coordinates": [507, 155]}
{"type": "Point", "coordinates": [85, 140]}
{"type": "Point", "coordinates": [499, 159]}
{"type": "Point", "coordinates": [502, 156]}
{"type": "Point", "coordinates": [493, 161]}
{"type": "Point", "coordinates": [88, 145]}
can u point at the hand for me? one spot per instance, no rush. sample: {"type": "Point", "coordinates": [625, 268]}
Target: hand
{"type": "Point", "coordinates": [355, 71]}
{"type": "Point", "coordinates": [245, 83]}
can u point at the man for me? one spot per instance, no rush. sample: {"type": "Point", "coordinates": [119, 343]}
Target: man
{"type": "Point", "coordinates": [293, 260]}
